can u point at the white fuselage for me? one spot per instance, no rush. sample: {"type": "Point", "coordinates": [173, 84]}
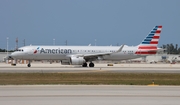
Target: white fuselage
{"type": "Point", "coordinates": [65, 52]}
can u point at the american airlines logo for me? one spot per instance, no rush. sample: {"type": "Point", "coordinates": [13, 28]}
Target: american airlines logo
{"type": "Point", "coordinates": [35, 51]}
{"type": "Point", "coordinates": [53, 51]}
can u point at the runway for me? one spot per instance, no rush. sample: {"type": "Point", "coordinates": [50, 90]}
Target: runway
{"type": "Point", "coordinates": [117, 68]}
{"type": "Point", "coordinates": [89, 95]}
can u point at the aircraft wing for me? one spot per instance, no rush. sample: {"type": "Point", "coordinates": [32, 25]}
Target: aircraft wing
{"type": "Point", "coordinates": [101, 54]}
{"type": "Point", "coordinates": [98, 54]}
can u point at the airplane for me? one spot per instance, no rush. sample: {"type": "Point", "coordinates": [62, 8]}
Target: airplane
{"type": "Point", "coordinates": [80, 55]}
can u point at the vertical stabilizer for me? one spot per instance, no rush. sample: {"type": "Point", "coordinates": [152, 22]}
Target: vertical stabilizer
{"type": "Point", "coordinates": [149, 44]}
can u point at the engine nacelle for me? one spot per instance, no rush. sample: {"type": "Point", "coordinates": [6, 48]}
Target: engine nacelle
{"type": "Point", "coordinates": [77, 60]}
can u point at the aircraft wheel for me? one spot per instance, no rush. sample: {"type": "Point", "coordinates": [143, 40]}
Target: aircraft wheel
{"type": "Point", "coordinates": [91, 64]}
{"type": "Point", "coordinates": [29, 65]}
{"type": "Point", "coordinates": [84, 65]}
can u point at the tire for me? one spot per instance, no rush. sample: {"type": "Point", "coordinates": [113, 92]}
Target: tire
{"type": "Point", "coordinates": [91, 65]}
{"type": "Point", "coordinates": [84, 65]}
{"type": "Point", "coordinates": [29, 65]}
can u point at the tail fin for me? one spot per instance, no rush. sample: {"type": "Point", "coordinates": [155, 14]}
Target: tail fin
{"type": "Point", "coordinates": [149, 44]}
{"type": "Point", "coordinates": [153, 37]}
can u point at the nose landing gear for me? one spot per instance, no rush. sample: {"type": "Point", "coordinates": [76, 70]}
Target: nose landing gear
{"type": "Point", "coordinates": [29, 64]}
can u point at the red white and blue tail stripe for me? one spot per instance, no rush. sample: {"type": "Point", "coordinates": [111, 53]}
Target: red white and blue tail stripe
{"type": "Point", "coordinates": [149, 44]}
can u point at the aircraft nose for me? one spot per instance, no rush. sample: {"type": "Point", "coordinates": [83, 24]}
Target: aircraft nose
{"type": "Point", "coordinates": [14, 54]}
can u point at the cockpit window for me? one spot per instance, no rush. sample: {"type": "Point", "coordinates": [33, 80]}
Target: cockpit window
{"type": "Point", "coordinates": [21, 50]}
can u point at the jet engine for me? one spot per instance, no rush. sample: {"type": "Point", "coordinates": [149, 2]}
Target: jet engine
{"type": "Point", "coordinates": [77, 60]}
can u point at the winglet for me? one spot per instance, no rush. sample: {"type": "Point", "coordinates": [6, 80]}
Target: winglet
{"type": "Point", "coordinates": [120, 49]}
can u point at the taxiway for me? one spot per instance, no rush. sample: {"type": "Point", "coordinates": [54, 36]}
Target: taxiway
{"type": "Point", "coordinates": [121, 68]}
{"type": "Point", "coordinates": [89, 95]}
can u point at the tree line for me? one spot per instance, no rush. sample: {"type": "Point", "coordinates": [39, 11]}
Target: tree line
{"type": "Point", "coordinates": [171, 49]}
{"type": "Point", "coordinates": [4, 50]}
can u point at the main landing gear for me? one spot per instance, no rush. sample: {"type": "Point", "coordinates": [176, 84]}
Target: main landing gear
{"type": "Point", "coordinates": [90, 64]}
{"type": "Point", "coordinates": [84, 65]}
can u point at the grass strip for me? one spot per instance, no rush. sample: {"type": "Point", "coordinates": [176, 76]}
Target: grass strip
{"type": "Point", "coordinates": [89, 78]}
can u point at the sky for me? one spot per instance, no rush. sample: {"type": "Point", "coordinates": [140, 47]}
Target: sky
{"type": "Point", "coordinates": [84, 22]}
